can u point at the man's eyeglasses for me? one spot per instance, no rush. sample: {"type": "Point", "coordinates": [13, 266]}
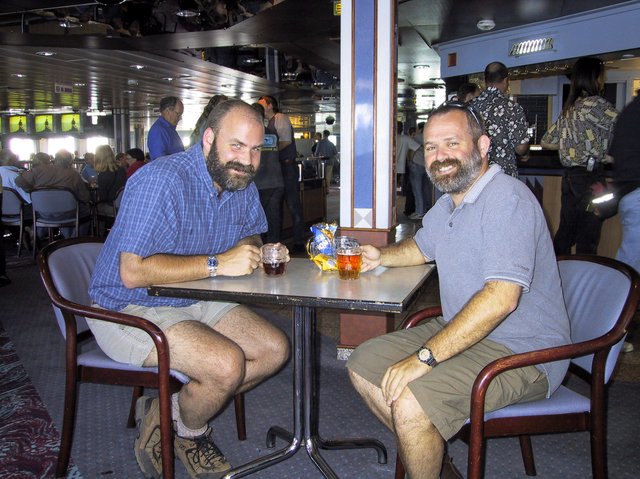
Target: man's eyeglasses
{"type": "Point", "coordinates": [467, 107]}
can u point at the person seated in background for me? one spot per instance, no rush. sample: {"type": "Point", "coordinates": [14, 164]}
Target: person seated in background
{"type": "Point", "coordinates": [111, 178]}
{"type": "Point", "coordinates": [121, 159]}
{"type": "Point", "coordinates": [500, 294]}
{"type": "Point", "coordinates": [9, 170]}
{"type": "Point", "coordinates": [89, 173]}
{"type": "Point", "coordinates": [135, 160]}
{"type": "Point", "coordinates": [4, 279]}
{"type": "Point", "coordinates": [60, 174]}
{"type": "Point", "coordinates": [192, 215]}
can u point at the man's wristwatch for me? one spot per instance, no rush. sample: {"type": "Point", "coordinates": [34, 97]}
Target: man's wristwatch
{"type": "Point", "coordinates": [425, 355]}
{"type": "Point", "coordinates": [212, 264]}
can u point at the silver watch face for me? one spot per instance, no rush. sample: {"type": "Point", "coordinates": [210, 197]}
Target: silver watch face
{"type": "Point", "coordinates": [424, 355]}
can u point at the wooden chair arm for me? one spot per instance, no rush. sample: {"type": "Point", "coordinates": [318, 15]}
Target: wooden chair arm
{"type": "Point", "coordinates": [417, 317]}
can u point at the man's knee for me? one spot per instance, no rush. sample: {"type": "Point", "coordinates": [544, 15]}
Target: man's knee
{"type": "Point", "coordinates": [408, 415]}
{"type": "Point", "coordinates": [276, 348]}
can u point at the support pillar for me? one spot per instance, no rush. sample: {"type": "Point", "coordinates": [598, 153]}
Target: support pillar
{"type": "Point", "coordinates": [368, 76]}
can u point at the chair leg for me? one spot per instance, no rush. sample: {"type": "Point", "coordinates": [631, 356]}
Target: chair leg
{"type": "Point", "coordinates": [527, 455]}
{"type": "Point", "coordinates": [241, 426]}
{"type": "Point", "coordinates": [68, 421]}
{"type": "Point", "coordinates": [138, 391]}
{"type": "Point", "coordinates": [400, 472]}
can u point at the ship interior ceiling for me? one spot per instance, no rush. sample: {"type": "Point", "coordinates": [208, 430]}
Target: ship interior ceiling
{"type": "Point", "coordinates": [196, 48]}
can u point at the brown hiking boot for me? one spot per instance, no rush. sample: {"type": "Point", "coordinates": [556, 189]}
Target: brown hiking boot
{"type": "Point", "coordinates": [147, 445]}
{"type": "Point", "coordinates": [201, 457]}
{"type": "Point", "coordinates": [449, 470]}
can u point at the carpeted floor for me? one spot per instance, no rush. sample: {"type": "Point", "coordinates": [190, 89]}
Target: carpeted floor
{"type": "Point", "coordinates": [29, 441]}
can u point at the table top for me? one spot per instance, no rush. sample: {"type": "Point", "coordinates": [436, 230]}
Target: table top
{"type": "Point", "coordinates": [387, 290]}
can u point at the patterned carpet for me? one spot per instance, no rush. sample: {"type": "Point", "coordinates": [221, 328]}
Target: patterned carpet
{"type": "Point", "coordinates": [29, 441]}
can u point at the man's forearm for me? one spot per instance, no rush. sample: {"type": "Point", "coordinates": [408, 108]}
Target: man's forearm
{"type": "Point", "coordinates": [138, 272]}
{"type": "Point", "coordinates": [254, 240]}
{"type": "Point", "coordinates": [403, 253]}
{"type": "Point", "coordinates": [481, 315]}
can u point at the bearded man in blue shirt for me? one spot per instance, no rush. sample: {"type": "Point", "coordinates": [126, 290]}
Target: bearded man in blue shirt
{"type": "Point", "coordinates": [192, 215]}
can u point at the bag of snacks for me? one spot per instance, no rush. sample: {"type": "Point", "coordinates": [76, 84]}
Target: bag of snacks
{"type": "Point", "coordinates": [320, 246]}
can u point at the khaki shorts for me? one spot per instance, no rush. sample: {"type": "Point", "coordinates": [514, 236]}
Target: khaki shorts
{"type": "Point", "coordinates": [444, 393]}
{"type": "Point", "coordinates": [132, 345]}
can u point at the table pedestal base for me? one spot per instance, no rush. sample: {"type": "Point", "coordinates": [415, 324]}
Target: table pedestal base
{"type": "Point", "coordinates": [305, 408]}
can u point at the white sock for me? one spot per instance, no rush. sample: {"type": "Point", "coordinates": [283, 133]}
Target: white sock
{"type": "Point", "coordinates": [178, 425]}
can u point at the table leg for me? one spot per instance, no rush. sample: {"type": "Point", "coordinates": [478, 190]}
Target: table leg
{"type": "Point", "coordinates": [295, 440]}
{"type": "Point", "coordinates": [312, 430]}
{"type": "Point", "coordinates": [312, 439]}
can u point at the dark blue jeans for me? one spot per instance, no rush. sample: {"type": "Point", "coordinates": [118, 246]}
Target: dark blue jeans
{"type": "Point", "coordinates": [292, 197]}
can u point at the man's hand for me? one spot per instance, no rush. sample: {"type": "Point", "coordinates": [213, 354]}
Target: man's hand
{"type": "Point", "coordinates": [399, 375]}
{"type": "Point", "coordinates": [239, 260]}
{"type": "Point", "coordinates": [370, 258]}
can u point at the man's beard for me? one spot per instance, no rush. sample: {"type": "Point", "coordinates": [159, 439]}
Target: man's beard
{"type": "Point", "coordinates": [223, 175]}
{"type": "Point", "coordinates": [458, 182]}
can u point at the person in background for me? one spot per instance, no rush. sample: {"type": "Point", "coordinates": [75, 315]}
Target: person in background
{"type": "Point", "coordinates": [500, 293]}
{"type": "Point", "coordinates": [405, 149]}
{"type": "Point", "coordinates": [163, 139]}
{"type": "Point", "coordinates": [59, 174]}
{"type": "Point", "coordinates": [581, 135]}
{"type": "Point", "coordinates": [195, 214]}
{"type": "Point", "coordinates": [4, 279]}
{"type": "Point", "coordinates": [420, 183]}
{"type": "Point", "coordinates": [328, 152]}
{"type": "Point", "coordinates": [135, 160]}
{"type": "Point", "coordinates": [467, 92]}
{"type": "Point", "coordinates": [270, 183]}
{"type": "Point", "coordinates": [625, 150]}
{"type": "Point", "coordinates": [89, 173]}
{"type": "Point", "coordinates": [316, 139]}
{"type": "Point", "coordinates": [121, 159]}
{"type": "Point", "coordinates": [288, 154]}
{"type": "Point", "coordinates": [505, 120]}
{"type": "Point", "coordinates": [9, 171]}
{"type": "Point", "coordinates": [111, 178]}
{"type": "Point", "coordinates": [201, 124]}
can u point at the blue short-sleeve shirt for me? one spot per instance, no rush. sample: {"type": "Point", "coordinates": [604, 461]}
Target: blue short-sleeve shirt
{"type": "Point", "coordinates": [172, 207]}
{"type": "Point", "coordinates": [499, 233]}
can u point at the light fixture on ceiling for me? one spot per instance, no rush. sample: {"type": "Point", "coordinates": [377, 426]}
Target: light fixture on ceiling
{"type": "Point", "coordinates": [45, 53]}
{"type": "Point", "coordinates": [79, 84]}
{"type": "Point", "coordinates": [137, 66]}
{"type": "Point", "coordinates": [167, 78]}
{"type": "Point", "coordinates": [19, 75]}
{"type": "Point", "coordinates": [533, 45]}
{"type": "Point", "coordinates": [486, 24]}
{"type": "Point", "coordinates": [186, 13]}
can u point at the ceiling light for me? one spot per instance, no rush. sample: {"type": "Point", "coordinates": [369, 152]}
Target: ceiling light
{"type": "Point", "coordinates": [486, 24]}
{"type": "Point", "coordinates": [186, 13]}
{"type": "Point", "coordinates": [137, 67]}
{"type": "Point", "coordinates": [19, 75]}
{"type": "Point", "coordinates": [252, 60]}
{"type": "Point", "coordinates": [79, 84]}
{"type": "Point", "coordinates": [534, 45]}
{"type": "Point", "coordinates": [168, 78]}
{"type": "Point", "coordinates": [45, 53]}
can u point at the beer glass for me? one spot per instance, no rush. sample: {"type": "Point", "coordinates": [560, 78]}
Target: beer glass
{"type": "Point", "coordinates": [349, 257]}
{"type": "Point", "coordinates": [274, 259]}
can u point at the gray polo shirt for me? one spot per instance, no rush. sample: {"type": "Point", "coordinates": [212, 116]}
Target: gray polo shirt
{"type": "Point", "coordinates": [499, 233]}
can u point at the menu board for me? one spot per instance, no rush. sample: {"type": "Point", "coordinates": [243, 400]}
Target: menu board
{"type": "Point", "coordinates": [18, 124]}
{"type": "Point", "coordinates": [70, 122]}
{"type": "Point", "coordinates": [44, 123]}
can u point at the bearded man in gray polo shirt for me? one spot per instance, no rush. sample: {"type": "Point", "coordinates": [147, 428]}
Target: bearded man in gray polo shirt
{"type": "Point", "coordinates": [500, 294]}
